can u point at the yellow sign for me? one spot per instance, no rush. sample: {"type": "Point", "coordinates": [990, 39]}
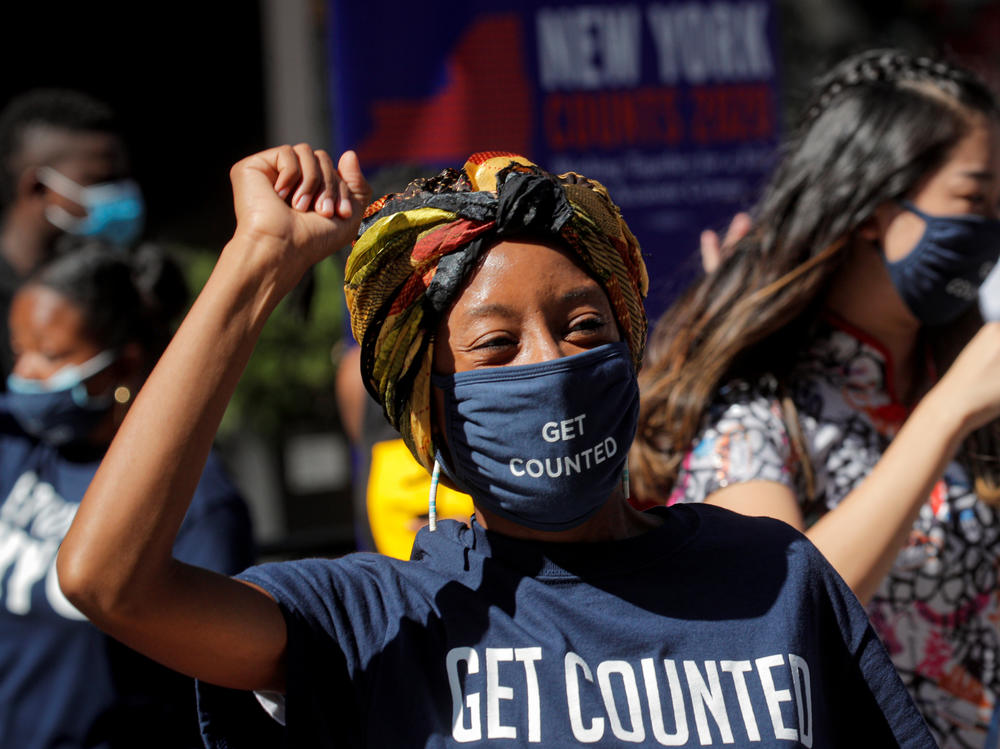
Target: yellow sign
{"type": "Point", "coordinates": [398, 487]}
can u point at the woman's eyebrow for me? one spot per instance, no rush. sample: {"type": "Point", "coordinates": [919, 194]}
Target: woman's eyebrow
{"type": "Point", "coordinates": [489, 309]}
{"type": "Point", "coordinates": [985, 175]}
{"type": "Point", "coordinates": [583, 293]}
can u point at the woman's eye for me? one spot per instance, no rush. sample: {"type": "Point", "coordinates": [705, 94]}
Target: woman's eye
{"type": "Point", "coordinates": [982, 205]}
{"type": "Point", "coordinates": [587, 325]}
{"type": "Point", "coordinates": [498, 342]}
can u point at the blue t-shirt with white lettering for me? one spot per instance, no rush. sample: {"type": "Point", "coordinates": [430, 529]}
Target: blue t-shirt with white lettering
{"type": "Point", "coordinates": [63, 683]}
{"type": "Point", "coordinates": [713, 629]}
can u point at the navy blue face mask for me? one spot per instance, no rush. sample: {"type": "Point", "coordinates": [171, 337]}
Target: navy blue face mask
{"type": "Point", "coordinates": [940, 277]}
{"type": "Point", "coordinates": [542, 445]}
{"type": "Point", "coordinates": [59, 410]}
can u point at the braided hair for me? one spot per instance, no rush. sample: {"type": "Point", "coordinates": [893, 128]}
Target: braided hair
{"type": "Point", "coordinates": [876, 124]}
{"type": "Point", "coordinates": [893, 68]}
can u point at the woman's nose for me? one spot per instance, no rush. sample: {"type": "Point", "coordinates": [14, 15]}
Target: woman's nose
{"type": "Point", "coordinates": [541, 346]}
{"type": "Point", "coordinates": [32, 366]}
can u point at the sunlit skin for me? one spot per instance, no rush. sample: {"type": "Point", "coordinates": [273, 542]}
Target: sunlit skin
{"type": "Point", "coordinates": [529, 303]}
{"type": "Point", "coordinates": [48, 332]}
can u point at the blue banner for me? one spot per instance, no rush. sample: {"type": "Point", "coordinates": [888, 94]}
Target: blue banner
{"type": "Point", "coordinates": [672, 105]}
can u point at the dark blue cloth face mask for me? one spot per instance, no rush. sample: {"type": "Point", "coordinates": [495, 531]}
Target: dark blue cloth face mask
{"type": "Point", "coordinates": [543, 444]}
{"type": "Point", "coordinates": [59, 410]}
{"type": "Point", "coordinates": [940, 277]}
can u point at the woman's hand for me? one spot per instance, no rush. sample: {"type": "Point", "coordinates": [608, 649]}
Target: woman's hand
{"type": "Point", "coordinates": [970, 390]}
{"type": "Point", "coordinates": [295, 207]}
{"type": "Point", "coordinates": [713, 250]}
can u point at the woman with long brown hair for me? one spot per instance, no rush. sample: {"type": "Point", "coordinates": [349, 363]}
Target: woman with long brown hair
{"type": "Point", "coordinates": [812, 375]}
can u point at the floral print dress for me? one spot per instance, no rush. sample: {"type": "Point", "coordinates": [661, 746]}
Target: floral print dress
{"type": "Point", "coordinates": [938, 611]}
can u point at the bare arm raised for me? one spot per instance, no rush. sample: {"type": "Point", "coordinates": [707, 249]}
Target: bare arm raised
{"type": "Point", "coordinates": [862, 536]}
{"type": "Point", "coordinates": [293, 208]}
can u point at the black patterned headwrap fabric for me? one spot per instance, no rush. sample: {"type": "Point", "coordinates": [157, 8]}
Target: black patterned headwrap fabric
{"type": "Point", "coordinates": [416, 249]}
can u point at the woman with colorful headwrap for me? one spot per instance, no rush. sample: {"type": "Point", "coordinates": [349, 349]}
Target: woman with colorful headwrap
{"type": "Point", "coordinates": [499, 310]}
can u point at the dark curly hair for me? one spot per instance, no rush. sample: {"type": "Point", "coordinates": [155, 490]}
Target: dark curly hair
{"type": "Point", "coordinates": [124, 297]}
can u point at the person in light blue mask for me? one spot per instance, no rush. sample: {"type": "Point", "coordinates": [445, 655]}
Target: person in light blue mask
{"type": "Point", "coordinates": [64, 173]}
{"type": "Point", "coordinates": [498, 308]}
{"type": "Point", "coordinates": [815, 376]}
{"type": "Point", "coordinates": [112, 211]}
{"type": "Point", "coordinates": [86, 328]}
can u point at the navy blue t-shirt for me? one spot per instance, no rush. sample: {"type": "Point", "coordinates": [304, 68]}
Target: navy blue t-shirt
{"type": "Point", "coordinates": [63, 683]}
{"type": "Point", "coordinates": [713, 629]}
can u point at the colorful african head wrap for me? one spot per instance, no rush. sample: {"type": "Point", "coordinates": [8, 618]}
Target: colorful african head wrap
{"type": "Point", "coordinates": [415, 249]}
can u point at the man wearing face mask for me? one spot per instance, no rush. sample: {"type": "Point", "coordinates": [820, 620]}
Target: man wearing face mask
{"type": "Point", "coordinates": [63, 170]}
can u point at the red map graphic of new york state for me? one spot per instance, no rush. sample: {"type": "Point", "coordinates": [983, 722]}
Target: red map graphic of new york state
{"type": "Point", "coordinates": [485, 104]}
